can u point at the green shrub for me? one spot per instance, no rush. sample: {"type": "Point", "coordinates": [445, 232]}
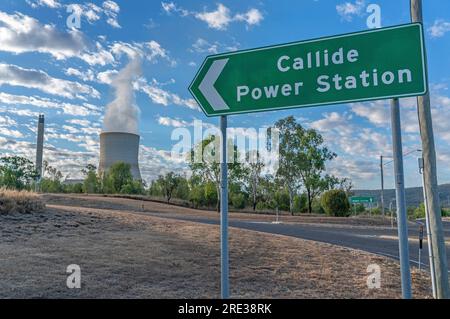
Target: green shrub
{"type": "Point", "coordinates": [210, 195]}
{"type": "Point", "coordinates": [317, 207]}
{"type": "Point", "coordinates": [262, 206]}
{"type": "Point", "coordinates": [359, 208]}
{"type": "Point", "coordinates": [300, 203]}
{"type": "Point", "coordinates": [281, 200]}
{"type": "Point", "coordinates": [133, 188]}
{"type": "Point", "coordinates": [419, 212]}
{"type": "Point", "coordinates": [182, 190]}
{"type": "Point", "coordinates": [197, 196]}
{"type": "Point", "coordinates": [445, 212]}
{"type": "Point", "coordinates": [238, 201]}
{"type": "Point", "coordinates": [335, 203]}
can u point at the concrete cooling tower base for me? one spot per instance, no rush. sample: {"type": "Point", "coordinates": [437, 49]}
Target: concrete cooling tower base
{"type": "Point", "coordinates": [119, 147]}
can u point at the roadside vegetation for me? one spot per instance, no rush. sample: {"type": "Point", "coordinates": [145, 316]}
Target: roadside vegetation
{"type": "Point", "coordinates": [22, 202]}
{"type": "Point", "coordinates": [299, 186]}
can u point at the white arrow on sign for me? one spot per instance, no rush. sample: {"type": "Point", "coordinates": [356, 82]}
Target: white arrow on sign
{"type": "Point", "coordinates": [207, 86]}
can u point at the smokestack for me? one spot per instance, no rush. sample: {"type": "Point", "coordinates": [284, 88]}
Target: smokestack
{"type": "Point", "coordinates": [40, 145]}
{"type": "Point", "coordinates": [119, 147]}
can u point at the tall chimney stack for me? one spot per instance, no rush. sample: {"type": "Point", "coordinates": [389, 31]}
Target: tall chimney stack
{"type": "Point", "coordinates": [40, 146]}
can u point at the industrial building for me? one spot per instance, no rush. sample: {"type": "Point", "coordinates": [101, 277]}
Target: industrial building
{"type": "Point", "coordinates": [119, 147]}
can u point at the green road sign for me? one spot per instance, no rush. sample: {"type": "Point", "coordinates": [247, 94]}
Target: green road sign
{"type": "Point", "coordinates": [362, 200]}
{"type": "Point", "coordinates": [369, 65]}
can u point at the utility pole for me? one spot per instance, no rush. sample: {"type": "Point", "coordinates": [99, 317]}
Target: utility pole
{"type": "Point", "coordinates": [430, 177]}
{"type": "Point", "coordinates": [429, 235]}
{"type": "Point", "coordinates": [402, 222]}
{"type": "Point", "coordinates": [382, 185]}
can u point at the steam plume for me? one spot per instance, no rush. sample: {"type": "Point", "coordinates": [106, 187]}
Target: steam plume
{"type": "Point", "coordinates": [122, 114]}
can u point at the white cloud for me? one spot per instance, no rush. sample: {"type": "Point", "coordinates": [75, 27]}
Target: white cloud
{"type": "Point", "coordinates": [66, 108]}
{"type": "Point", "coordinates": [167, 121]}
{"type": "Point", "coordinates": [252, 17]}
{"type": "Point", "coordinates": [111, 10]}
{"type": "Point", "coordinates": [44, 3]}
{"type": "Point", "coordinates": [439, 28]}
{"type": "Point", "coordinates": [7, 121]}
{"type": "Point", "coordinates": [218, 19]}
{"type": "Point", "coordinates": [86, 76]}
{"type": "Point", "coordinates": [90, 11]}
{"type": "Point", "coordinates": [11, 133]}
{"type": "Point", "coordinates": [152, 51]}
{"type": "Point", "coordinates": [376, 112]}
{"type": "Point", "coordinates": [99, 56]}
{"type": "Point", "coordinates": [37, 79]}
{"type": "Point", "coordinates": [349, 9]}
{"type": "Point", "coordinates": [203, 46]}
{"type": "Point", "coordinates": [106, 77]}
{"type": "Point", "coordinates": [170, 7]}
{"type": "Point", "coordinates": [20, 33]}
{"type": "Point", "coordinates": [163, 97]}
{"type": "Point", "coordinates": [18, 112]}
{"type": "Point", "coordinates": [84, 123]}
{"type": "Point", "coordinates": [342, 135]}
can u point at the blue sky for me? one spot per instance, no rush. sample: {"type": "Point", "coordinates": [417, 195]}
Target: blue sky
{"type": "Point", "coordinates": [67, 73]}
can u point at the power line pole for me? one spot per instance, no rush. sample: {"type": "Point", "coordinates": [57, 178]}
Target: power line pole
{"type": "Point", "coordinates": [402, 222]}
{"type": "Point", "coordinates": [430, 178]}
{"type": "Point", "coordinates": [429, 235]}
{"type": "Point", "coordinates": [382, 185]}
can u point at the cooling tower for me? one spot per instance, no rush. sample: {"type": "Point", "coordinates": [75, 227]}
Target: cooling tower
{"type": "Point", "coordinates": [119, 147]}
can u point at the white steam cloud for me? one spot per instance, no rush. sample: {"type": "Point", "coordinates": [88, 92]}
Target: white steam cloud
{"type": "Point", "coordinates": [122, 114]}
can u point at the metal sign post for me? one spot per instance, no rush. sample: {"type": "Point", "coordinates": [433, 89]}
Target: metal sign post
{"type": "Point", "coordinates": [402, 222]}
{"type": "Point", "coordinates": [224, 210]}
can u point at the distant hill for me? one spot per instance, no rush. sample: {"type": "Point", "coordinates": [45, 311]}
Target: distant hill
{"type": "Point", "coordinates": [414, 195]}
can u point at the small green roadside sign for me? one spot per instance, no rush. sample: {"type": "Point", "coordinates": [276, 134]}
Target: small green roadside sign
{"type": "Point", "coordinates": [369, 65]}
{"type": "Point", "coordinates": [362, 200]}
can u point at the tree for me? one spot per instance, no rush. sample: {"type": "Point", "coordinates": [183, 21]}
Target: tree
{"type": "Point", "coordinates": [313, 157]}
{"type": "Point", "coordinates": [302, 160]}
{"type": "Point", "coordinates": [52, 181]}
{"type": "Point", "coordinates": [17, 172]}
{"type": "Point", "coordinates": [118, 175]}
{"type": "Point", "coordinates": [300, 203]}
{"type": "Point", "coordinates": [133, 187]}
{"type": "Point", "coordinates": [204, 161]}
{"type": "Point", "coordinates": [169, 183]}
{"type": "Point", "coordinates": [91, 183]}
{"type": "Point", "coordinates": [290, 146]}
{"type": "Point", "coordinates": [253, 172]}
{"type": "Point", "coordinates": [335, 203]}
{"type": "Point", "coordinates": [182, 190]}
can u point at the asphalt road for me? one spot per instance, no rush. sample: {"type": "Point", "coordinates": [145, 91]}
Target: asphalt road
{"type": "Point", "coordinates": [377, 240]}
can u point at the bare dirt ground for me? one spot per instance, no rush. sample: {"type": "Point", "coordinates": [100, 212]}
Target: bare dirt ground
{"type": "Point", "coordinates": [124, 255]}
{"type": "Point", "coordinates": [95, 201]}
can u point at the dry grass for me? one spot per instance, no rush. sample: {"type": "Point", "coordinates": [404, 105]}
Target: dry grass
{"type": "Point", "coordinates": [126, 255]}
{"type": "Point", "coordinates": [22, 202]}
{"type": "Point", "coordinates": [103, 202]}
